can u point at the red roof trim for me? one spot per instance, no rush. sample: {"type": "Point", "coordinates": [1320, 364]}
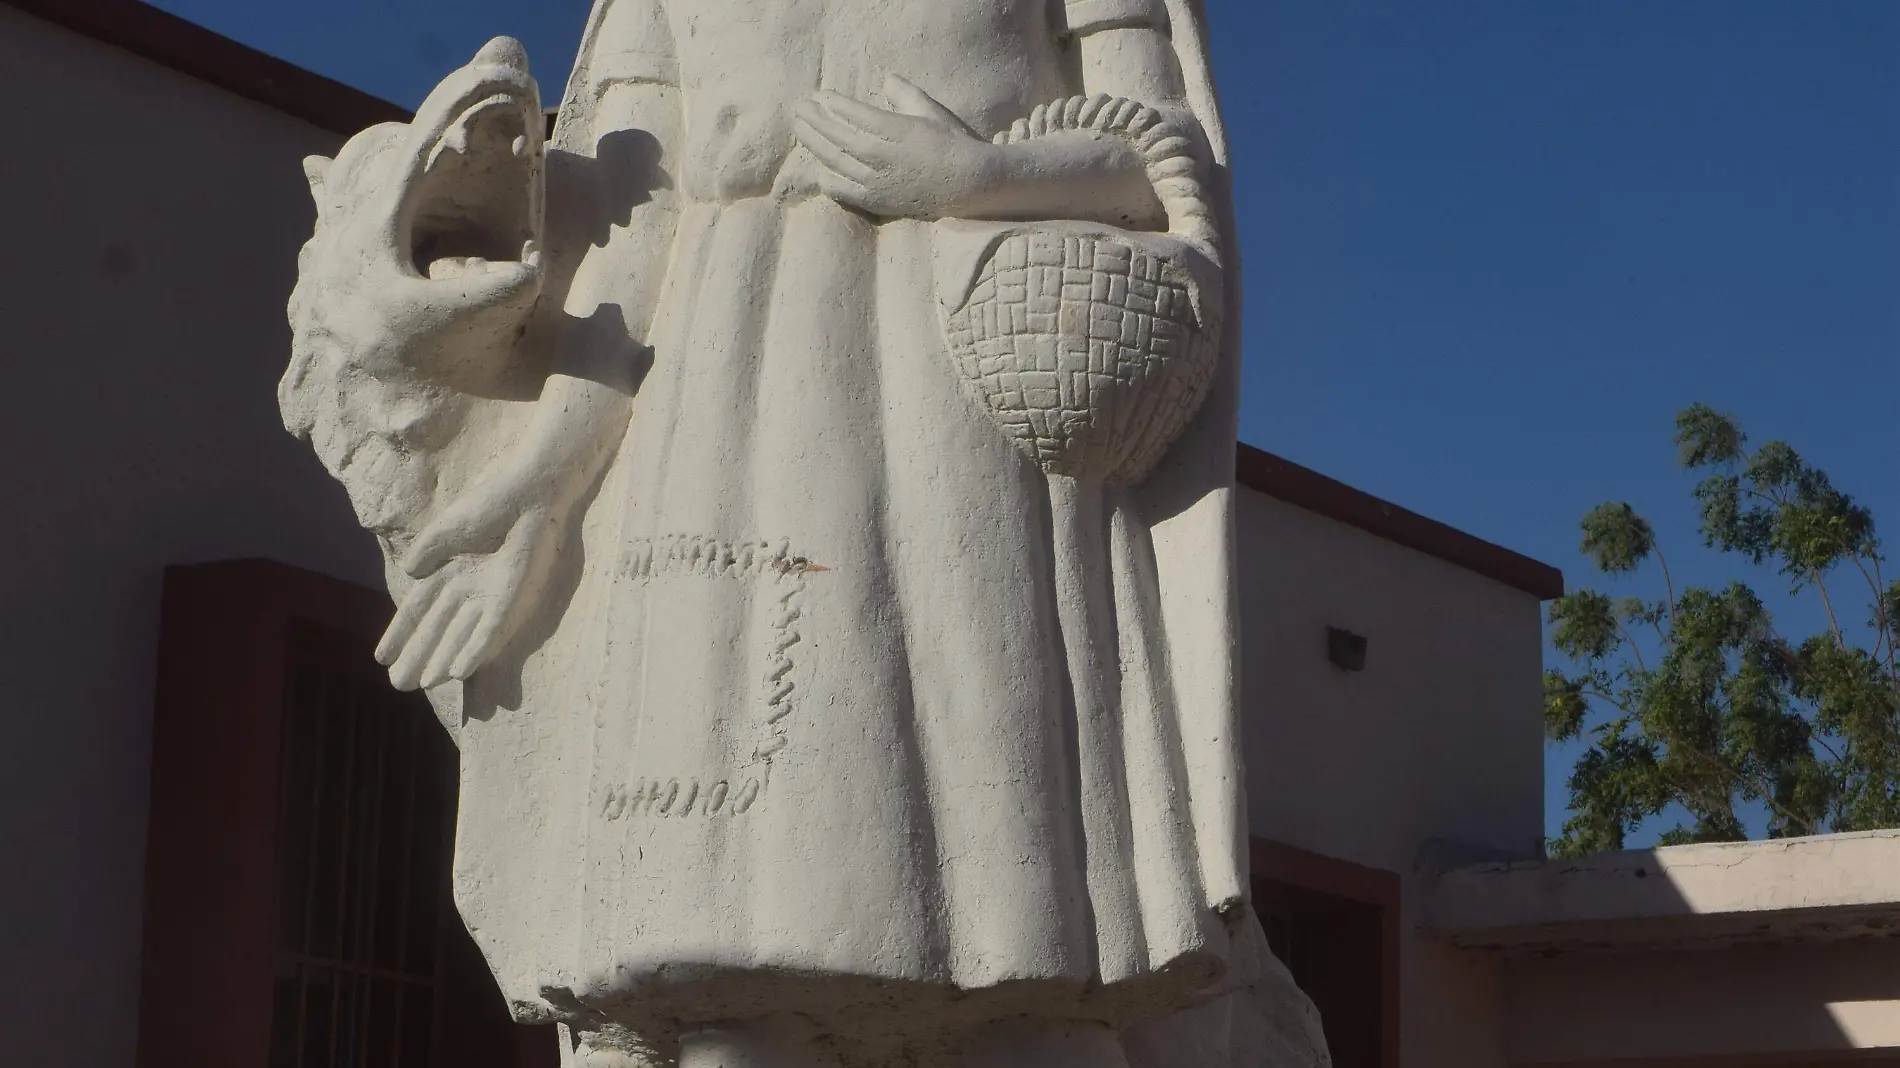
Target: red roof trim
{"type": "Point", "coordinates": [1305, 488]}
{"type": "Point", "coordinates": [191, 49]}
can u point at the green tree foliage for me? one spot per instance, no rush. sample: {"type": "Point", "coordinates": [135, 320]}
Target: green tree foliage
{"type": "Point", "coordinates": [1695, 699]}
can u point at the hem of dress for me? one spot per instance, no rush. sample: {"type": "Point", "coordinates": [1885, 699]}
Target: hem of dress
{"type": "Point", "coordinates": [662, 1001]}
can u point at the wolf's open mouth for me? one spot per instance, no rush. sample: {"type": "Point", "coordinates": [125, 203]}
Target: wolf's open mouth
{"type": "Point", "coordinates": [476, 199]}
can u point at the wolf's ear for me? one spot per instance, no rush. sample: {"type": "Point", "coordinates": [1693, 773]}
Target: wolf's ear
{"type": "Point", "coordinates": [315, 169]}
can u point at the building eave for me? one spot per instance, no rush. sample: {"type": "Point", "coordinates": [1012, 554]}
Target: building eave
{"type": "Point", "coordinates": [1735, 893]}
{"type": "Point", "coordinates": [1305, 488]}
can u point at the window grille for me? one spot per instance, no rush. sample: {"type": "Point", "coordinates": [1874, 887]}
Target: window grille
{"type": "Point", "coordinates": [366, 817]}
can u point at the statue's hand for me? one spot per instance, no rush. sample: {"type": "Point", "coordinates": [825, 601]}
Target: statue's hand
{"type": "Point", "coordinates": [426, 253]}
{"type": "Point", "coordinates": [919, 161]}
{"type": "Point", "coordinates": [480, 574]}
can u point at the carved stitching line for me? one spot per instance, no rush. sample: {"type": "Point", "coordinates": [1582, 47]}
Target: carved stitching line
{"type": "Point", "coordinates": [654, 797]}
{"type": "Point", "coordinates": [714, 557]}
{"type": "Point", "coordinates": [704, 554]}
{"type": "Point", "coordinates": [779, 677]}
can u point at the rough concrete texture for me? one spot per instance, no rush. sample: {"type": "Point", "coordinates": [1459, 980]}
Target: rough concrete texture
{"type": "Point", "coordinates": [807, 488]}
{"type": "Point", "coordinates": [1784, 890]}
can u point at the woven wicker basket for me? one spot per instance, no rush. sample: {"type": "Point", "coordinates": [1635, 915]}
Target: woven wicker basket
{"type": "Point", "coordinates": [1089, 352]}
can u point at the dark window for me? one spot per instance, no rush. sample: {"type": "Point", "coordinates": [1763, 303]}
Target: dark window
{"type": "Point", "coordinates": [1331, 945]}
{"type": "Point", "coordinates": [1335, 926]}
{"type": "Point", "coordinates": [366, 816]}
{"type": "Point", "coordinates": [297, 904]}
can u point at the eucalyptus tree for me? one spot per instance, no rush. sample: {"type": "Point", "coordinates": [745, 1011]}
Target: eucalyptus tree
{"type": "Point", "coordinates": [1692, 697]}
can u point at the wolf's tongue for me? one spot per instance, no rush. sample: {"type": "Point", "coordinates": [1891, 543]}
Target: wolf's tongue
{"type": "Point", "coordinates": [450, 267]}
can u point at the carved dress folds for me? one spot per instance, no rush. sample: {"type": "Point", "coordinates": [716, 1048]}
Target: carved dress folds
{"type": "Point", "coordinates": [809, 708]}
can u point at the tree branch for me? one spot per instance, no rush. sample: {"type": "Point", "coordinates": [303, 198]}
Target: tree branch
{"type": "Point", "coordinates": [1820, 586]}
{"type": "Point", "coordinates": [1736, 775]}
{"type": "Point", "coordinates": [1591, 691]}
{"type": "Point", "coordinates": [1669, 586]}
{"type": "Point", "coordinates": [1884, 627]}
{"type": "Point", "coordinates": [1767, 794]}
{"type": "Point", "coordinates": [1822, 739]}
{"type": "Point", "coordinates": [1624, 633]}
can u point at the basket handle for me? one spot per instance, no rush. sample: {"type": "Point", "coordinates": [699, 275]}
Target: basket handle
{"type": "Point", "coordinates": [1166, 146]}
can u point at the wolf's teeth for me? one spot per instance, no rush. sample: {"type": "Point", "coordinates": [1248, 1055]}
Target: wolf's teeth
{"type": "Point", "coordinates": [447, 267]}
{"type": "Point", "coordinates": [521, 145]}
{"type": "Point", "coordinates": [455, 140]}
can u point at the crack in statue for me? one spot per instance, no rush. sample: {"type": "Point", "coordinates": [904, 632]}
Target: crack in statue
{"type": "Point", "coordinates": [806, 485]}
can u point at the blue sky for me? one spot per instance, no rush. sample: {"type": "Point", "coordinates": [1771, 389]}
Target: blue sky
{"type": "Point", "coordinates": [1491, 246]}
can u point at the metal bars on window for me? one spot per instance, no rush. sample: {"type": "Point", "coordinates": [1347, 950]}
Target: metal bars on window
{"type": "Point", "coordinates": [365, 826]}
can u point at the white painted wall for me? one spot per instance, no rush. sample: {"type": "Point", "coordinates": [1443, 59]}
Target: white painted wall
{"type": "Point", "coordinates": [153, 224]}
{"type": "Point", "coordinates": [1432, 754]}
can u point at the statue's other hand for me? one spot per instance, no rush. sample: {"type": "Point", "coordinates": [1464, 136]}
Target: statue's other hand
{"type": "Point", "coordinates": [919, 161]}
{"type": "Point", "coordinates": [478, 520]}
{"type": "Point", "coordinates": [461, 614]}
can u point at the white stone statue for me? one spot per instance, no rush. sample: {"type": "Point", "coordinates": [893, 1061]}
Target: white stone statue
{"type": "Point", "coordinates": [806, 485]}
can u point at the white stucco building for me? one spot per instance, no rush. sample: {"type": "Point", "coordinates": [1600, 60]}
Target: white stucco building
{"type": "Point", "coordinates": [172, 549]}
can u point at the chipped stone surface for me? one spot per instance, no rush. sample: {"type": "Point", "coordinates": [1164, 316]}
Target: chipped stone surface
{"type": "Point", "coordinates": [815, 706]}
{"type": "Point", "coordinates": [1783, 890]}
